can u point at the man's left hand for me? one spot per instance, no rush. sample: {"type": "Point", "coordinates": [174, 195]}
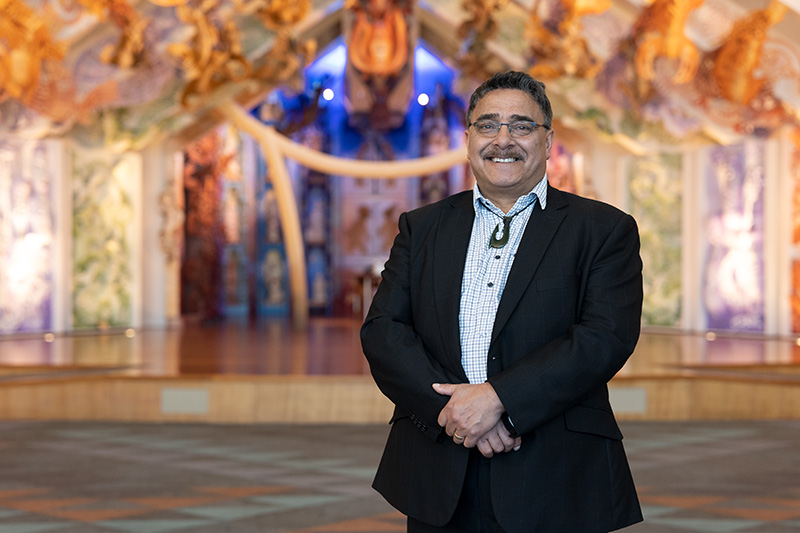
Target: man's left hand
{"type": "Point", "coordinates": [471, 412]}
{"type": "Point", "coordinates": [498, 440]}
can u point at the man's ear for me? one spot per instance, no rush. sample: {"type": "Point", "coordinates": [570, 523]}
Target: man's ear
{"type": "Point", "coordinates": [548, 139]}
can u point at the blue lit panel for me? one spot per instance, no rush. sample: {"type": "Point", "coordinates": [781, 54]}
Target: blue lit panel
{"type": "Point", "coordinates": [328, 69]}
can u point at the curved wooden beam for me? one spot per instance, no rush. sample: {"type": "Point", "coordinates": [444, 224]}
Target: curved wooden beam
{"type": "Point", "coordinates": [329, 164]}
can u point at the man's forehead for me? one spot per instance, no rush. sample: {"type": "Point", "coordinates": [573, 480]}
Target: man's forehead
{"type": "Point", "coordinates": [513, 101]}
{"type": "Point", "coordinates": [512, 116]}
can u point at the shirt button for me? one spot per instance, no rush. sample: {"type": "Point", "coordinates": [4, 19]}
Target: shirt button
{"type": "Point", "coordinates": [497, 257]}
{"type": "Point", "coordinates": [490, 284]}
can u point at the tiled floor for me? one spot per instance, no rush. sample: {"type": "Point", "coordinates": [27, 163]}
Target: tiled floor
{"type": "Point", "coordinates": [66, 477]}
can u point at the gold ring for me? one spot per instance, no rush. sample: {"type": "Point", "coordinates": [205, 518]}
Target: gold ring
{"type": "Point", "coordinates": [455, 436]}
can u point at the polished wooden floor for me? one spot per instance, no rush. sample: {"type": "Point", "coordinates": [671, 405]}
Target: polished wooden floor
{"type": "Point", "coordinates": [264, 371]}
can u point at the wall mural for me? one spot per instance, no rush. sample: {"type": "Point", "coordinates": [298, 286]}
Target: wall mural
{"type": "Point", "coordinates": [316, 217]}
{"type": "Point", "coordinates": [102, 215]}
{"type": "Point", "coordinates": [562, 169]}
{"type": "Point", "coordinates": [369, 210]}
{"type": "Point", "coordinates": [204, 238]}
{"type": "Point", "coordinates": [435, 140]}
{"type": "Point", "coordinates": [26, 234]}
{"type": "Point", "coordinates": [217, 254]}
{"type": "Point", "coordinates": [795, 296]}
{"type": "Point", "coordinates": [272, 275]}
{"type": "Point", "coordinates": [369, 213]}
{"type": "Point", "coordinates": [235, 255]}
{"type": "Point", "coordinates": [655, 199]}
{"type": "Point", "coordinates": [733, 272]}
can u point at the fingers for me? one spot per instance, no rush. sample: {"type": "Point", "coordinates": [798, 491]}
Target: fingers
{"type": "Point", "coordinates": [462, 440]}
{"type": "Point", "coordinates": [509, 442]}
{"type": "Point", "coordinates": [506, 440]}
{"type": "Point", "coordinates": [496, 440]}
{"type": "Point", "coordinates": [492, 444]}
{"type": "Point", "coordinates": [485, 448]}
{"type": "Point", "coordinates": [445, 389]}
{"type": "Point", "coordinates": [469, 437]}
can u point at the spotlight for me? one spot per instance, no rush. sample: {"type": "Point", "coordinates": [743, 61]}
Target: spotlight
{"type": "Point", "coordinates": [327, 94]}
{"type": "Point", "coordinates": [49, 337]}
{"type": "Point", "coordinates": [130, 333]}
{"type": "Point", "coordinates": [423, 99]}
{"type": "Point", "coordinates": [710, 336]}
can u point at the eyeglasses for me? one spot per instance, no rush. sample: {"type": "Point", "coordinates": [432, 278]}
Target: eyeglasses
{"type": "Point", "coordinates": [518, 128]}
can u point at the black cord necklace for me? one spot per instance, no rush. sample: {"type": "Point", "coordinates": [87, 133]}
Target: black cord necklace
{"type": "Point", "coordinates": [494, 242]}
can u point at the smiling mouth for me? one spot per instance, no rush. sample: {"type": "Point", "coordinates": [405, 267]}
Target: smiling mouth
{"type": "Point", "coordinates": [503, 159]}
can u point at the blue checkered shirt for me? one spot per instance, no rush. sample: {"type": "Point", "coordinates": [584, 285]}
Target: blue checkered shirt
{"type": "Point", "coordinates": [486, 272]}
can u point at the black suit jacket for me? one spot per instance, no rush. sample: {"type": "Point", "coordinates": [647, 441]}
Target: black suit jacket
{"type": "Point", "coordinates": [568, 320]}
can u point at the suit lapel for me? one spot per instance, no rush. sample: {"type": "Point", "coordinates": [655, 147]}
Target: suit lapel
{"type": "Point", "coordinates": [540, 230]}
{"type": "Point", "coordinates": [450, 256]}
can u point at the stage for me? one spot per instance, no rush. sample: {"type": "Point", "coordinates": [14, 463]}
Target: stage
{"type": "Point", "coordinates": [264, 371]}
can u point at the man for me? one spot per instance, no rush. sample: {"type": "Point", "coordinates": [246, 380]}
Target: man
{"type": "Point", "coordinates": [501, 316]}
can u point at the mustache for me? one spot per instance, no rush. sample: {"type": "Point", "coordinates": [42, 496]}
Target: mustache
{"type": "Point", "coordinates": [503, 154]}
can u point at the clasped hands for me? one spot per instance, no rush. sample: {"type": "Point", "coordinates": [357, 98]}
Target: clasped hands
{"type": "Point", "coordinates": [472, 418]}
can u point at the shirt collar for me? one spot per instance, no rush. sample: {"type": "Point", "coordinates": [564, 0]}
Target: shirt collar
{"type": "Point", "coordinates": [539, 191]}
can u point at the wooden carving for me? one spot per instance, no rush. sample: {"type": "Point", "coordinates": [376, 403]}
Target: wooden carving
{"type": "Point", "coordinates": [739, 57]}
{"type": "Point", "coordinates": [659, 32]}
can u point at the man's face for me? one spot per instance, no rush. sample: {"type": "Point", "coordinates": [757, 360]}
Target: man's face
{"type": "Point", "coordinates": [508, 167]}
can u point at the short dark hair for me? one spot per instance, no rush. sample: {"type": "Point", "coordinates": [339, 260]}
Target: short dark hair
{"type": "Point", "coordinates": [513, 80]}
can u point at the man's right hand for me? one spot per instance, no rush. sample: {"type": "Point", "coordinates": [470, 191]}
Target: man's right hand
{"type": "Point", "coordinates": [471, 412]}
{"type": "Point", "coordinates": [498, 440]}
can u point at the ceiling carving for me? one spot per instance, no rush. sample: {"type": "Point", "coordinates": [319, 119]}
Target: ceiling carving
{"type": "Point", "coordinates": [124, 73]}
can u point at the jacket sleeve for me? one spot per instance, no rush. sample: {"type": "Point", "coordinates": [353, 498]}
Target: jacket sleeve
{"type": "Point", "coordinates": [579, 362]}
{"type": "Point", "coordinates": [401, 365]}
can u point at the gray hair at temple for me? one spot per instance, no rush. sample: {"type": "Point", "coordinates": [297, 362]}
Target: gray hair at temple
{"type": "Point", "coordinates": [513, 80]}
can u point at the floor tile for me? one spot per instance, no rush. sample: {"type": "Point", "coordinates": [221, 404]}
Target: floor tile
{"type": "Point", "coordinates": [31, 527]}
{"type": "Point", "coordinates": [707, 524]}
{"type": "Point", "coordinates": [228, 513]}
{"type": "Point", "coordinates": [154, 526]}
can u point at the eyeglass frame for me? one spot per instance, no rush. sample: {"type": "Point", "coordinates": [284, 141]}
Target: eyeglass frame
{"type": "Point", "coordinates": [499, 126]}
